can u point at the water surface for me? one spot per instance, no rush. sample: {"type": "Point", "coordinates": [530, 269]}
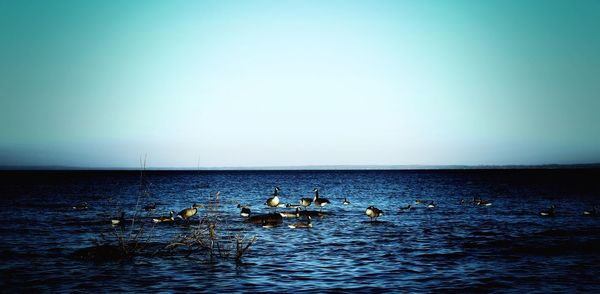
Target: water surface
{"type": "Point", "coordinates": [506, 246]}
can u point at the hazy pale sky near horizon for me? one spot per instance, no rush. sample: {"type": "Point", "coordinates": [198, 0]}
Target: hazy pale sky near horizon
{"type": "Point", "coordinates": [268, 83]}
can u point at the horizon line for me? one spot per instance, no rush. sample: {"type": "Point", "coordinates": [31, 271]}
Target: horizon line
{"type": "Point", "coordinates": [310, 167]}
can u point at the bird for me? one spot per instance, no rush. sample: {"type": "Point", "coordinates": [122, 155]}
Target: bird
{"type": "Point", "coordinates": [484, 203]}
{"type": "Point", "coordinates": [320, 202]}
{"type": "Point", "coordinates": [431, 204]}
{"type": "Point", "coordinates": [406, 208]}
{"type": "Point", "coordinates": [346, 202]}
{"type": "Point", "coordinates": [245, 212]}
{"type": "Point", "coordinates": [150, 207]}
{"type": "Point", "coordinates": [187, 213]}
{"type": "Point", "coordinates": [302, 225]}
{"type": "Point", "coordinates": [265, 220]}
{"type": "Point", "coordinates": [118, 220]}
{"type": "Point", "coordinates": [593, 211]}
{"type": "Point", "coordinates": [274, 201]}
{"type": "Point", "coordinates": [373, 212]}
{"type": "Point", "coordinates": [289, 205]}
{"type": "Point", "coordinates": [305, 202]}
{"type": "Point", "coordinates": [296, 213]}
{"type": "Point", "coordinates": [550, 212]}
{"type": "Point", "coordinates": [165, 219]}
{"type": "Point", "coordinates": [81, 206]}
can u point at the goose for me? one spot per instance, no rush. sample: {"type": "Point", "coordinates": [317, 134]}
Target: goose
{"type": "Point", "coordinates": [301, 225]}
{"type": "Point", "coordinates": [406, 208]}
{"type": "Point", "coordinates": [165, 219]}
{"type": "Point", "coordinates": [593, 211]}
{"type": "Point", "coordinates": [549, 212]}
{"type": "Point", "coordinates": [273, 201]}
{"type": "Point", "coordinates": [268, 220]}
{"type": "Point", "coordinates": [187, 213]}
{"type": "Point", "coordinates": [373, 212]}
{"type": "Point", "coordinates": [291, 214]}
{"type": "Point", "coordinates": [346, 202]}
{"type": "Point", "coordinates": [431, 204]}
{"type": "Point", "coordinates": [81, 206]}
{"type": "Point", "coordinates": [320, 202]}
{"type": "Point", "coordinates": [305, 202]}
{"type": "Point", "coordinates": [150, 207]}
{"type": "Point", "coordinates": [245, 212]}
{"type": "Point", "coordinates": [483, 203]}
{"type": "Point", "coordinates": [118, 220]}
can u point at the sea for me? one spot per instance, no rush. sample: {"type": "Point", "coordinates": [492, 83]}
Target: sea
{"type": "Point", "coordinates": [456, 246]}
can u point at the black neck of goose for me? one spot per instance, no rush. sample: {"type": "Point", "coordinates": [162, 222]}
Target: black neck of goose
{"type": "Point", "coordinates": [275, 192]}
{"type": "Point", "coordinates": [316, 194]}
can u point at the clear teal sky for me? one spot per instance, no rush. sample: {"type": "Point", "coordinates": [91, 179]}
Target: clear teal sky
{"type": "Point", "coordinates": [264, 83]}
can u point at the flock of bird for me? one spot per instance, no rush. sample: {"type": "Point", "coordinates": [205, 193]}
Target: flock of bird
{"type": "Point", "coordinates": [301, 210]}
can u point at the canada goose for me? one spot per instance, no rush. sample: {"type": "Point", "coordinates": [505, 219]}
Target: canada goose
{"type": "Point", "coordinates": [81, 206]}
{"type": "Point", "coordinates": [320, 202]}
{"type": "Point", "coordinates": [305, 202]}
{"type": "Point", "coordinates": [483, 203]}
{"type": "Point", "coordinates": [431, 204]}
{"type": "Point", "coordinates": [274, 201]}
{"type": "Point", "coordinates": [302, 225]}
{"type": "Point", "coordinates": [291, 214]}
{"type": "Point", "coordinates": [118, 220]}
{"type": "Point", "coordinates": [593, 211]}
{"type": "Point", "coordinates": [150, 207]}
{"type": "Point", "coordinates": [406, 208]}
{"type": "Point", "coordinates": [187, 213]}
{"type": "Point", "coordinates": [550, 212]}
{"type": "Point", "coordinates": [373, 212]}
{"type": "Point", "coordinates": [346, 202]}
{"type": "Point", "coordinates": [165, 219]}
{"type": "Point", "coordinates": [270, 219]}
{"type": "Point", "coordinates": [245, 212]}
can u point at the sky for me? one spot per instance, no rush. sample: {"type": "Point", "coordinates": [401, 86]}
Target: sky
{"type": "Point", "coordinates": [289, 83]}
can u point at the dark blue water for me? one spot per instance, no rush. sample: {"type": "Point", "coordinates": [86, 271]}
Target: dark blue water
{"type": "Point", "coordinates": [506, 246]}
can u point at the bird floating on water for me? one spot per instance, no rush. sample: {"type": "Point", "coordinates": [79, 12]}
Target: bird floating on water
{"type": "Point", "coordinates": [373, 212]}
{"type": "Point", "coordinates": [295, 213]}
{"type": "Point", "coordinates": [245, 212]}
{"type": "Point", "coordinates": [274, 201]}
{"type": "Point", "coordinates": [165, 219]}
{"type": "Point", "coordinates": [302, 225]}
{"type": "Point", "coordinates": [592, 212]}
{"type": "Point", "coordinates": [319, 202]}
{"type": "Point", "coordinates": [549, 212]}
{"type": "Point", "coordinates": [306, 202]}
{"type": "Point", "coordinates": [118, 220]}
{"type": "Point", "coordinates": [346, 202]}
{"type": "Point", "coordinates": [187, 213]}
{"type": "Point", "coordinates": [81, 206]}
{"type": "Point", "coordinates": [406, 208]}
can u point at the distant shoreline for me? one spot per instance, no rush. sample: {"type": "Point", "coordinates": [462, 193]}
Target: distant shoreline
{"type": "Point", "coordinates": [311, 167]}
